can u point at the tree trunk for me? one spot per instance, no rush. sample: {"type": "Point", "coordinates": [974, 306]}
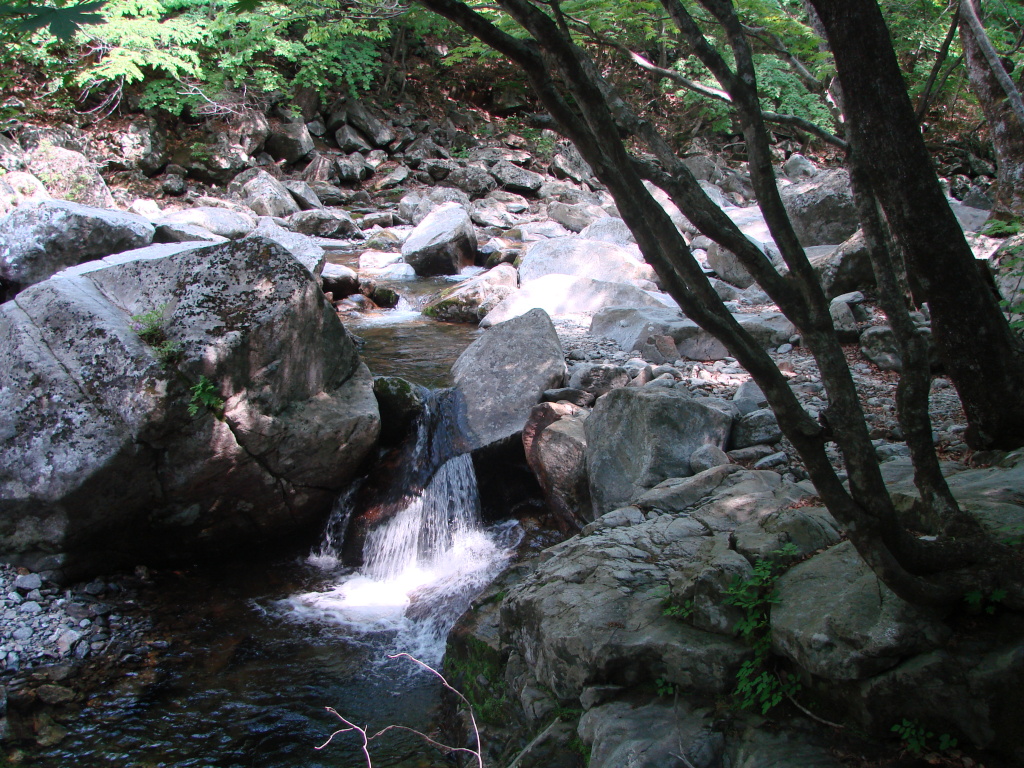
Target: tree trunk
{"type": "Point", "coordinates": [982, 356]}
{"type": "Point", "coordinates": [1005, 125]}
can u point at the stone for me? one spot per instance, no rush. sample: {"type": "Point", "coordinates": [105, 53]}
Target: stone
{"type": "Point", "coordinates": [470, 301]}
{"type": "Point", "coordinates": [349, 139]}
{"type": "Point", "coordinates": [298, 413]}
{"type": "Point", "coordinates": [598, 379]}
{"type": "Point", "coordinates": [28, 582]}
{"type": "Point", "coordinates": [473, 180]}
{"type": "Point", "coordinates": [706, 457]}
{"type": "Point", "coordinates": [268, 197]}
{"type": "Point", "coordinates": [594, 259]}
{"type": "Point", "coordinates": [569, 295]}
{"type": "Point", "coordinates": [352, 169]}
{"type": "Point", "coordinates": [591, 613]}
{"type": "Point", "coordinates": [373, 128]}
{"type": "Point", "coordinates": [608, 229]}
{"type": "Point", "coordinates": [557, 456]}
{"type": "Point", "coordinates": [55, 695]}
{"type": "Point", "coordinates": [638, 437]}
{"type": "Point", "coordinates": [651, 735]}
{"type": "Point", "coordinates": [728, 267]}
{"type": "Point", "coordinates": [219, 221]}
{"type": "Point", "coordinates": [400, 402]}
{"type": "Point", "coordinates": [306, 252]}
{"type": "Point", "coordinates": [339, 280]}
{"type": "Point", "coordinates": [755, 428]}
{"type": "Point", "coordinates": [143, 146]}
{"type": "Point", "coordinates": [70, 176]}
{"type": "Point", "coordinates": [516, 179]}
{"type": "Point", "coordinates": [838, 621]}
{"type": "Point", "coordinates": [575, 217]}
{"type": "Point", "coordinates": [822, 208]}
{"type": "Point", "coordinates": [303, 194]}
{"type": "Point", "coordinates": [569, 164]}
{"type": "Point", "coordinates": [798, 167]}
{"type": "Point", "coordinates": [442, 243]}
{"type": "Point", "coordinates": [12, 154]}
{"type": "Point", "coordinates": [321, 170]}
{"type": "Point", "coordinates": [40, 238]}
{"type": "Point", "coordinates": [321, 222]}
{"type": "Point", "coordinates": [248, 130]}
{"type": "Point", "coordinates": [290, 142]}
{"type": "Point", "coordinates": [17, 187]}
{"type": "Point", "coordinates": [704, 582]}
{"type": "Point", "coordinates": [878, 344]}
{"type": "Point", "coordinates": [504, 373]}
{"type": "Point", "coordinates": [843, 269]}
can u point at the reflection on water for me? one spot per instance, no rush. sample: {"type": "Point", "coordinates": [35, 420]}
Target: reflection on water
{"type": "Point", "coordinates": [415, 348]}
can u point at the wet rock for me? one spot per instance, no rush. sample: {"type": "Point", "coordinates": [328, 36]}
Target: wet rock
{"type": "Point", "coordinates": [41, 238]}
{"type": "Point", "coordinates": [504, 373]}
{"type": "Point", "coordinates": [471, 300]}
{"type": "Point", "coordinates": [339, 280]}
{"type": "Point", "coordinates": [442, 243]}
{"type": "Point", "coordinates": [638, 437]}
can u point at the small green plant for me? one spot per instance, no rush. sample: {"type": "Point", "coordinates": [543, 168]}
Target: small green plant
{"type": "Point", "coordinates": [481, 678]}
{"type": "Point", "coordinates": [683, 611]}
{"type": "Point", "coordinates": [460, 153]}
{"type": "Point", "coordinates": [917, 739]}
{"type": "Point", "coordinates": [204, 395]}
{"type": "Point", "coordinates": [758, 684]}
{"type": "Point", "coordinates": [664, 687]}
{"type": "Point", "coordinates": [979, 602]}
{"type": "Point", "coordinates": [1001, 228]}
{"type": "Point", "coordinates": [150, 326]}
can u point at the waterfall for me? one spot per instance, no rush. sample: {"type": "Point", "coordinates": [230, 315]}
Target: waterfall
{"type": "Point", "coordinates": [424, 564]}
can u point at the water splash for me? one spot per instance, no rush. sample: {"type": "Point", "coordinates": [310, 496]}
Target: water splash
{"type": "Point", "coordinates": [422, 567]}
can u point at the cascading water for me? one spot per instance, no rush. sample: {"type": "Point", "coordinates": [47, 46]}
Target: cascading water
{"type": "Point", "coordinates": [423, 566]}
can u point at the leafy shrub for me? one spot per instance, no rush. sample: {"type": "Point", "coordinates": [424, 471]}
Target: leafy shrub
{"type": "Point", "coordinates": [204, 395]}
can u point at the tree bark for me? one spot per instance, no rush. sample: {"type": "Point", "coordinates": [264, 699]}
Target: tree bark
{"type": "Point", "coordinates": [982, 356]}
{"type": "Point", "coordinates": [1004, 122]}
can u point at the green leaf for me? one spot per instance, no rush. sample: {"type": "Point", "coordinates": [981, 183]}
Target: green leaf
{"type": "Point", "coordinates": [63, 22]}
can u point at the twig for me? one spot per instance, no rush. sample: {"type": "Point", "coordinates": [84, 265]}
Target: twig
{"type": "Point", "coordinates": [805, 710]}
{"type": "Point", "coordinates": [350, 726]}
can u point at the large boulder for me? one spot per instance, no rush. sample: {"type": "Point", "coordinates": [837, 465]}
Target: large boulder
{"type": "Point", "coordinates": [504, 373]}
{"type": "Point", "coordinates": [473, 180]}
{"type": "Point", "coordinates": [516, 179]}
{"type": "Point", "coordinates": [822, 209]}
{"type": "Point", "coordinates": [219, 221]}
{"type": "Point", "coordinates": [302, 247]}
{"type": "Point", "coordinates": [469, 301]}
{"type": "Point", "coordinates": [442, 243]}
{"type": "Point", "coordinates": [835, 619]}
{"type": "Point", "coordinates": [845, 268]}
{"type": "Point", "coordinates": [242, 427]}
{"type": "Point", "coordinates": [320, 222]}
{"type": "Point", "coordinates": [595, 259]}
{"type": "Point", "coordinates": [568, 295]}
{"type": "Point", "coordinates": [638, 437]}
{"type": "Point", "coordinates": [290, 142]}
{"type": "Point", "coordinates": [556, 446]}
{"type": "Point", "coordinates": [40, 238]}
{"type": "Point", "coordinates": [609, 229]}
{"type": "Point", "coordinates": [69, 175]}
{"type": "Point", "coordinates": [268, 197]}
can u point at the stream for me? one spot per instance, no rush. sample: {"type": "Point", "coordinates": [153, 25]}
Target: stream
{"type": "Point", "coordinates": [260, 649]}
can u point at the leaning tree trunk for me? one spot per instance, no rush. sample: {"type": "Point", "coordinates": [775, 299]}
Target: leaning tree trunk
{"type": "Point", "coordinates": [1005, 124]}
{"type": "Point", "coordinates": [982, 356]}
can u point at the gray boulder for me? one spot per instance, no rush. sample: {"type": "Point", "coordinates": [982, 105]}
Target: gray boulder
{"type": "Point", "coordinates": [349, 139]}
{"type": "Point", "coordinates": [504, 373]}
{"type": "Point", "coordinates": [598, 379]}
{"type": "Point", "coordinates": [568, 295]}
{"type": "Point", "coordinates": [473, 180]}
{"type": "Point", "coordinates": [843, 269]}
{"type": "Point", "coordinates": [104, 465]}
{"type": "Point", "coordinates": [822, 209]}
{"type": "Point", "coordinates": [68, 175]}
{"type": "Point", "coordinates": [306, 252]}
{"type": "Point", "coordinates": [585, 258]}
{"type": "Point", "coordinates": [838, 621]}
{"type": "Point", "coordinates": [756, 428]}
{"type": "Point", "coordinates": [516, 179]}
{"type": "Point", "coordinates": [320, 222]}
{"type": "Point", "coordinates": [469, 301]}
{"type": "Point", "coordinates": [219, 221]}
{"type": "Point", "coordinates": [268, 197]}
{"type": "Point", "coordinates": [575, 217]}
{"type": "Point", "coordinates": [878, 344]}
{"type": "Point", "coordinates": [339, 280]}
{"type": "Point", "coordinates": [638, 437]}
{"type": "Point", "coordinates": [290, 142]}
{"type": "Point", "coordinates": [728, 267]}
{"type": "Point", "coordinates": [609, 229]}
{"type": "Point", "coordinates": [555, 445]}
{"type": "Point", "coordinates": [442, 243]}
{"type": "Point", "coordinates": [185, 233]}
{"type": "Point", "coordinates": [353, 168]}
{"type": "Point", "coordinates": [40, 238]}
{"type": "Point", "coordinates": [304, 194]}
{"type": "Point", "coordinates": [376, 130]}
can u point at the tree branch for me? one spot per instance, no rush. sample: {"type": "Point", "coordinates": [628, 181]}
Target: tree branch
{"type": "Point", "coordinates": [969, 13]}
